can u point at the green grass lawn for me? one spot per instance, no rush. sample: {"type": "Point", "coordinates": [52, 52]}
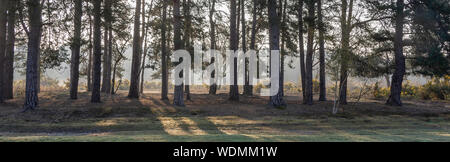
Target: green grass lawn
{"type": "Point", "coordinates": [390, 128]}
{"type": "Point", "coordinates": [148, 119]}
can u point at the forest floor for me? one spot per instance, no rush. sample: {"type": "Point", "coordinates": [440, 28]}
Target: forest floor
{"type": "Point", "coordinates": [213, 118]}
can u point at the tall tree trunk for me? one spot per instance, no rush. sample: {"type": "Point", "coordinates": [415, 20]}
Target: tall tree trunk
{"type": "Point", "coordinates": [91, 48]}
{"type": "Point", "coordinates": [309, 53]}
{"type": "Point", "coordinates": [397, 77]}
{"type": "Point", "coordinates": [178, 43]}
{"type": "Point", "coordinates": [109, 87]}
{"type": "Point", "coordinates": [283, 7]}
{"type": "Point", "coordinates": [253, 39]}
{"type": "Point", "coordinates": [144, 45]}
{"type": "Point", "coordinates": [212, 24]}
{"type": "Point", "coordinates": [76, 45]}
{"type": "Point", "coordinates": [9, 53]}
{"type": "Point", "coordinates": [141, 87]}
{"type": "Point", "coordinates": [274, 37]}
{"type": "Point", "coordinates": [164, 79]}
{"type": "Point", "coordinates": [106, 86]}
{"type": "Point", "coordinates": [3, 6]}
{"type": "Point", "coordinates": [247, 89]}
{"type": "Point", "coordinates": [135, 65]}
{"type": "Point", "coordinates": [97, 60]}
{"type": "Point", "coordinates": [322, 86]}
{"type": "Point", "coordinates": [105, 54]}
{"type": "Point", "coordinates": [302, 50]}
{"type": "Point", "coordinates": [345, 49]}
{"type": "Point", "coordinates": [34, 41]}
{"type": "Point", "coordinates": [234, 41]}
{"type": "Point", "coordinates": [187, 38]}
{"type": "Point", "coordinates": [260, 14]}
{"type": "Point", "coordinates": [238, 21]}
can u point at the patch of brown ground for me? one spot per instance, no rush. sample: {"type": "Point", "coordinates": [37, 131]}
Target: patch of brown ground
{"type": "Point", "coordinates": [56, 107]}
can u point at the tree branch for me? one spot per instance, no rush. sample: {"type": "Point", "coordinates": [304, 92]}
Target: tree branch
{"type": "Point", "coordinates": [23, 23]}
{"type": "Point", "coordinates": [370, 20]}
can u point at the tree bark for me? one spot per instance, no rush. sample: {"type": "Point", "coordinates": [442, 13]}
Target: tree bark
{"type": "Point", "coordinates": [234, 42]}
{"type": "Point", "coordinates": [164, 79]}
{"type": "Point", "coordinates": [397, 77]}
{"type": "Point", "coordinates": [3, 21]}
{"type": "Point", "coordinates": [107, 57]}
{"type": "Point", "coordinates": [309, 53]}
{"type": "Point", "coordinates": [253, 39]}
{"type": "Point", "coordinates": [95, 98]}
{"type": "Point", "coordinates": [346, 21]}
{"type": "Point", "coordinates": [91, 47]}
{"type": "Point", "coordinates": [34, 41]}
{"type": "Point", "coordinates": [248, 90]}
{"type": "Point", "coordinates": [9, 52]}
{"type": "Point", "coordinates": [213, 86]}
{"type": "Point", "coordinates": [178, 43]}
{"type": "Point", "coordinates": [302, 50]}
{"type": "Point", "coordinates": [187, 39]}
{"type": "Point", "coordinates": [135, 65]}
{"type": "Point", "coordinates": [76, 45]}
{"type": "Point", "coordinates": [105, 54]}
{"type": "Point", "coordinates": [144, 41]}
{"type": "Point", "coordinates": [283, 7]}
{"type": "Point", "coordinates": [109, 87]}
{"type": "Point", "coordinates": [238, 21]}
{"type": "Point", "coordinates": [322, 78]}
{"type": "Point", "coordinates": [274, 37]}
{"type": "Point", "coordinates": [141, 88]}
{"type": "Point", "coordinates": [345, 49]}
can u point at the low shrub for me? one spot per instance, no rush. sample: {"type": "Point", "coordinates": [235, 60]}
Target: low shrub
{"type": "Point", "coordinates": [436, 89]}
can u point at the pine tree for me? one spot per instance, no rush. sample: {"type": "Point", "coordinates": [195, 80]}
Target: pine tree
{"type": "Point", "coordinates": [431, 40]}
{"type": "Point", "coordinates": [164, 79]}
{"type": "Point", "coordinates": [34, 41]}
{"type": "Point", "coordinates": [309, 53]}
{"type": "Point", "coordinates": [89, 71]}
{"type": "Point", "coordinates": [9, 52]}
{"type": "Point", "coordinates": [274, 35]}
{"type": "Point", "coordinates": [135, 64]}
{"type": "Point", "coordinates": [234, 41]}
{"type": "Point", "coordinates": [106, 79]}
{"type": "Point", "coordinates": [75, 46]}
{"type": "Point", "coordinates": [282, 12]}
{"type": "Point", "coordinates": [178, 43]}
{"type": "Point", "coordinates": [3, 5]}
{"type": "Point", "coordinates": [187, 38]}
{"type": "Point", "coordinates": [95, 98]}
{"type": "Point", "coordinates": [322, 79]}
{"type": "Point", "coordinates": [212, 24]}
{"type": "Point", "coordinates": [144, 39]}
{"type": "Point", "coordinates": [247, 89]}
{"type": "Point", "coordinates": [302, 49]}
{"type": "Point", "coordinates": [253, 37]}
{"type": "Point", "coordinates": [346, 23]}
{"type": "Point", "coordinates": [397, 77]}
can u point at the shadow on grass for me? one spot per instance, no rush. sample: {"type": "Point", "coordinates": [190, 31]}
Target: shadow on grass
{"type": "Point", "coordinates": [210, 118]}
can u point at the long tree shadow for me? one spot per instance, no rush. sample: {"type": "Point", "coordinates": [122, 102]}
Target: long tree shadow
{"type": "Point", "coordinates": [206, 118]}
{"type": "Point", "coordinates": [182, 123]}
